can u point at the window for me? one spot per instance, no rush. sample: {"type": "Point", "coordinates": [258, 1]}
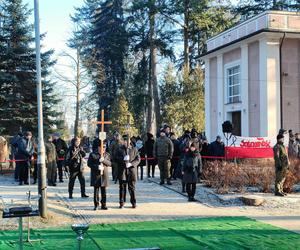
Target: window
{"type": "Point", "coordinates": [234, 84]}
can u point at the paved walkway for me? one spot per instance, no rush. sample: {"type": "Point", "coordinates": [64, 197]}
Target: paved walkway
{"type": "Point", "coordinates": [154, 203]}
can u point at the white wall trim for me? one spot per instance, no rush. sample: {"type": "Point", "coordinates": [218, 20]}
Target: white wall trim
{"type": "Point", "coordinates": [207, 101]}
{"type": "Point", "coordinates": [244, 89]}
{"type": "Point", "coordinates": [263, 90]}
{"type": "Point", "coordinates": [220, 84]}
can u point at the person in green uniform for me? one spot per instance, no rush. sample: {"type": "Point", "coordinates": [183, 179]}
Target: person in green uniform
{"type": "Point", "coordinates": [281, 165]}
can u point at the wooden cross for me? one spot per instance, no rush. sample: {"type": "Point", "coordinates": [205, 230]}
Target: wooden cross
{"type": "Point", "coordinates": [102, 138]}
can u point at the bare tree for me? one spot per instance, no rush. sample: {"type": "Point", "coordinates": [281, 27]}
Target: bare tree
{"type": "Point", "coordinates": [77, 77]}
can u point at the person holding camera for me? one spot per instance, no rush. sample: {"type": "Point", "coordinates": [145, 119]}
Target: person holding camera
{"type": "Point", "coordinates": [75, 162]}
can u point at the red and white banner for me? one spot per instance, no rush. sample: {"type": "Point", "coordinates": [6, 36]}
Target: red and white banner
{"type": "Point", "coordinates": [251, 147]}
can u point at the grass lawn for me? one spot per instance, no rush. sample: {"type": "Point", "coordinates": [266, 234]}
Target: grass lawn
{"type": "Point", "coordinates": [207, 233]}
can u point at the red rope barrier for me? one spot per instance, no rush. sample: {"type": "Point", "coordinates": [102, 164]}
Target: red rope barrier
{"type": "Point", "coordinates": [143, 158]}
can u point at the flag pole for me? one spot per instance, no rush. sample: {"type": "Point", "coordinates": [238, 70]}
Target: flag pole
{"type": "Point", "coordinates": [41, 164]}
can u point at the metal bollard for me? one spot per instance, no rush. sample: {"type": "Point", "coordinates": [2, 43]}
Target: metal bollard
{"type": "Point", "coordinates": [80, 230]}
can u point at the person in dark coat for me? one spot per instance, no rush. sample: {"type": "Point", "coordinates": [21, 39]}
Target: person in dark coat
{"type": "Point", "coordinates": [176, 155]}
{"type": "Point", "coordinates": [205, 147]}
{"type": "Point", "coordinates": [74, 158]}
{"type": "Point", "coordinates": [149, 143]}
{"type": "Point", "coordinates": [14, 151]}
{"type": "Point", "coordinates": [184, 146]}
{"type": "Point", "coordinates": [128, 159]}
{"type": "Point", "coordinates": [113, 147]}
{"type": "Point", "coordinates": [191, 170]}
{"type": "Point", "coordinates": [217, 147]}
{"type": "Point", "coordinates": [99, 173]}
{"type": "Point", "coordinates": [24, 153]}
{"type": "Point", "coordinates": [141, 149]}
{"type": "Point", "coordinates": [61, 150]}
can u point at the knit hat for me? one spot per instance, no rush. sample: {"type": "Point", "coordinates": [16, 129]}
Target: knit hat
{"type": "Point", "coordinates": [280, 136]}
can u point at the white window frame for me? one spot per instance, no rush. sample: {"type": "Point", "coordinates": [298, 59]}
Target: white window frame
{"type": "Point", "coordinates": [228, 67]}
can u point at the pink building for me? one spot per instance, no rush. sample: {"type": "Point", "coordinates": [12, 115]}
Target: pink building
{"type": "Point", "coordinates": [252, 76]}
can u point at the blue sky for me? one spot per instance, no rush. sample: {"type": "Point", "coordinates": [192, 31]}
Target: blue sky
{"type": "Point", "coordinates": [55, 20]}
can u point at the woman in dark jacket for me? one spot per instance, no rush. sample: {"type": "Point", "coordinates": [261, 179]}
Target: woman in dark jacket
{"type": "Point", "coordinates": [149, 143]}
{"type": "Point", "coordinates": [74, 160]}
{"type": "Point", "coordinates": [191, 169]}
{"type": "Point", "coordinates": [99, 173]}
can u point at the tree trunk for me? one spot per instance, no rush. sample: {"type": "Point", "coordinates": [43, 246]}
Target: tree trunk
{"type": "Point", "coordinates": [76, 123]}
{"type": "Point", "coordinates": [153, 117]}
{"type": "Point", "coordinates": [186, 49]}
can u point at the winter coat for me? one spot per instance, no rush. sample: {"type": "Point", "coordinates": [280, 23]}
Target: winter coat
{"type": "Point", "coordinates": [192, 166]}
{"type": "Point", "coordinates": [74, 158]}
{"type": "Point", "coordinates": [293, 150]}
{"type": "Point", "coordinates": [196, 142]}
{"type": "Point", "coordinates": [24, 149]}
{"type": "Point", "coordinates": [51, 155]}
{"type": "Point", "coordinates": [98, 180]}
{"type": "Point", "coordinates": [142, 154]}
{"type": "Point", "coordinates": [176, 146]}
{"type": "Point", "coordinates": [205, 149]}
{"type": "Point", "coordinates": [217, 149]}
{"type": "Point", "coordinates": [149, 144]}
{"type": "Point", "coordinates": [127, 174]}
{"type": "Point", "coordinates": [163, 148]}
{"type": "Point", "coordinates": [61, 147]}
{"type": "Point", "coordinates": [113, 147]}
{"type": "Point", "coordinates": [280, 157]}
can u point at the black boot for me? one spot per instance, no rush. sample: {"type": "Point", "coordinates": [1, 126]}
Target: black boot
{"type": "Point", "coordinates": [103, 207]}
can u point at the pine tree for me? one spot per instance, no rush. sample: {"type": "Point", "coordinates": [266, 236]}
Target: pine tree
{"type": "Point", "coordinates": [110, 42]}
{"type": "Point", "coordinates": [151, 38]}
{"type": "Point", "coordinates": [18, 105]}
{"type": "Point", "coordinates": [171, 100]}
{"type": "Point", "coordinates": [119, 116]}
{"type": "Point", "coordinates": [249, 8]}
{"type": "Point", "coordinates": [193, 99]}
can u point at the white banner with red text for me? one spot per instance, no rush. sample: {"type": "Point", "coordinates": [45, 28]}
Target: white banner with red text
{"type": "Point", "coordinates": [251, 147]}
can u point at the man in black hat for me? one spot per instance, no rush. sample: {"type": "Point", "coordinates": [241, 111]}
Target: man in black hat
{"type": "Point", "coordinates": [128, 159]}
{"type": "Point", "coordinates": [281, 165]}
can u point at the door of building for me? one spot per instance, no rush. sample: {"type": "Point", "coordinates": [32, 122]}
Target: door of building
{"type": "Point", "coordinates": [237, 123]}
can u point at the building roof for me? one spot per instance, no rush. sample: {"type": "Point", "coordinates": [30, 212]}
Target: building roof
{"type": "Point", "coordinates": [269, 21]}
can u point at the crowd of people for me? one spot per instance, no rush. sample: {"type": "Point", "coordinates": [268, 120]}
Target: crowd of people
{"type": "Point", "coordinates": [175, 158]}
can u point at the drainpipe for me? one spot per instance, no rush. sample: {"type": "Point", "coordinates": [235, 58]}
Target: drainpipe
{"type": "Point", "coordinates": [281, 87]}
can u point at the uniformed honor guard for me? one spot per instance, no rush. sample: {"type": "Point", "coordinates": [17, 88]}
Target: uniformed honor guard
{"type": "Point", "coordinates": [163, 151]}
{"type": "Point", "coordinates": [99, 172]}
{"type": "Point", "coordinates": [281, 165]}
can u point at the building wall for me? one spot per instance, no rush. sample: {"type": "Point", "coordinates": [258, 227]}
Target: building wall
{"type": "Point", "coordinates": [291, 84]}
{"type": "Point", "coordinates": [213, 92]}
{"type": "Point", "coordinates": [253, 89]}
{"type": "Point", "coordinates": [232, 56]}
